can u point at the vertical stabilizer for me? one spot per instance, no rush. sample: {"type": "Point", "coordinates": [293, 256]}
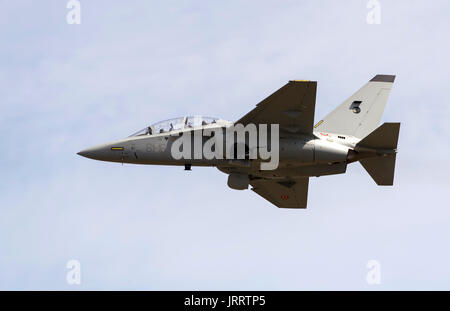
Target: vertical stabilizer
{"type": "Point", "coordinates": [360, 114]}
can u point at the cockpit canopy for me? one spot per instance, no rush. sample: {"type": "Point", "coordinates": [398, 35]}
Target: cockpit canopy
{"type": "Point", "coordinates": [176, 124]}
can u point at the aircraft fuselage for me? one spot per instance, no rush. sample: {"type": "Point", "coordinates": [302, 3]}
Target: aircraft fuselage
{"type": "Point", "coordinates": [299, 155]}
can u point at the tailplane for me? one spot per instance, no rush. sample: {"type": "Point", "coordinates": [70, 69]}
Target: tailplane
{"type": "Point", "coordinates": [380, 147]}
{"type": "Point", "coordinates": [381, 169]}
{"type": "Point", "coordinates": [384, 137]}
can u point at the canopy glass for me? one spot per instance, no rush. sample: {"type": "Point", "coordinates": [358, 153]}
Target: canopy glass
{"type": "Point", "coordinates": [175, 124]}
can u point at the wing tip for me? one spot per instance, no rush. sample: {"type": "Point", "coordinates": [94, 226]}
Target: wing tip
{"type": "Point", "coordinates": [302, 81]}
{"type": "Point", "coordinates": [383, 78]}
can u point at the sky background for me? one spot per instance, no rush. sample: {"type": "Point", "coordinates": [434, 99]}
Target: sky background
{"type": "Point", "coordinates": [131, 63]}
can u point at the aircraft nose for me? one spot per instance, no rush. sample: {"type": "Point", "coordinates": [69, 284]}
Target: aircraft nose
{"type": "Point", "coordinates": [112, 152]}
{"type": "Point", "coordinates": [91, 153]}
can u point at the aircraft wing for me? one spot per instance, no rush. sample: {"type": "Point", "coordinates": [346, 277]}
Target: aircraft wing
{"type": "Point", "coordinates": [283, 193]}
{"type": "Point", "coordinates": [292, 107]}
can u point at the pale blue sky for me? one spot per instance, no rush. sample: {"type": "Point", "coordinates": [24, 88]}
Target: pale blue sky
{"type": "Point", "coordinates": [130, 63]}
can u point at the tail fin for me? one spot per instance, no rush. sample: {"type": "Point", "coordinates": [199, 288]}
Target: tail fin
{"type": "Point", "coordinates": [383, 141]}
{"type": "Point", "coordinates": [361, 113]}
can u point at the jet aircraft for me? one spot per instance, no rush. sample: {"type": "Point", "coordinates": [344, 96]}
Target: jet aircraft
{"type": "Point", "coordinates": [350, 133]}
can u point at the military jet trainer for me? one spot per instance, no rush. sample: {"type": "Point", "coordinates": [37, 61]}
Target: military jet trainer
{"type": "Point", "coordinates": [350, 133]}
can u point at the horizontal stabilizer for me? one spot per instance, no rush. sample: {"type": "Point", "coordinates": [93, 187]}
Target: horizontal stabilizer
{"type": "Point", "coordinates": [383, 141]}
{"type": "Point", "coordinates": [381, 169]}
{"type": "Point", "coordinates": [384, 137]}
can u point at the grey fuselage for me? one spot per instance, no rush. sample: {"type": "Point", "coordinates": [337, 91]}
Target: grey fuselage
{"type": "Point", "coordinates": [299, 155]}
